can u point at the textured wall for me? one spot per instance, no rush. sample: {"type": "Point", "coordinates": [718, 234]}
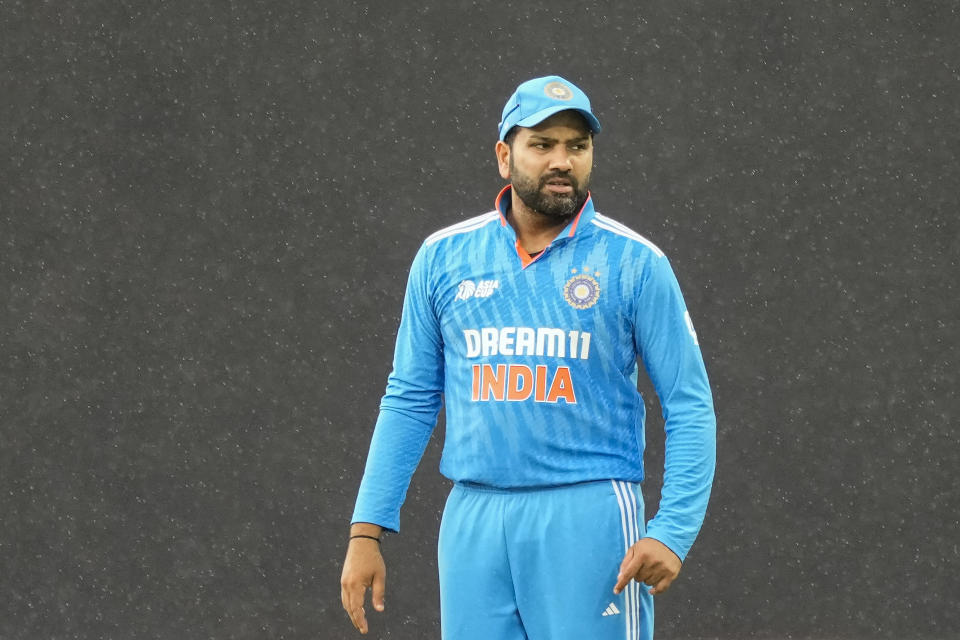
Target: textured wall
{"type": "Point", "coordinates": [207, 211]}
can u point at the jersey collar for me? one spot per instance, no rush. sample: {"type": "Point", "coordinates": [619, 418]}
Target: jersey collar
{"type": "Point", "coordinates": [583, 216]}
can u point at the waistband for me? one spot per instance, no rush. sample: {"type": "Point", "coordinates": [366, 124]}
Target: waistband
{"type": "Point", "coordinates": [475, 486]}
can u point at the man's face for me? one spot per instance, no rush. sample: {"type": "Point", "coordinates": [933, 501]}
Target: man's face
{"type": "Point", "coordinates": [549, 165]}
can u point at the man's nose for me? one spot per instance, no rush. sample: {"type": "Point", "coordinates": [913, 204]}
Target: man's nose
{"type": "Point", "coordinates": [560, 159]}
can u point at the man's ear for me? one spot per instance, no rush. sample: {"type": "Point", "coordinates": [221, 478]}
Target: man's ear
{"type": "Point", "coordinates": [503, 159]}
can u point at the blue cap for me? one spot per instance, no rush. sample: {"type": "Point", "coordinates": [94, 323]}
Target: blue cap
{"type": "Point", "coordinates": [536, 100]}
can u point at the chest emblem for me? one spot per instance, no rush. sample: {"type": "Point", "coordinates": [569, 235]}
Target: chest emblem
{"type": "Point", "coordinates": [470, 289]}
{"type": "Point", "coordinates": [581, 291]}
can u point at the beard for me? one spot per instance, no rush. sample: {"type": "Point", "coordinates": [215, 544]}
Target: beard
{"type": "Point", "coordinates": [559, 206]}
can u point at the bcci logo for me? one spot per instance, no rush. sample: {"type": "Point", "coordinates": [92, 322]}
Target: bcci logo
{"type": "Point", "coordinates": [470, 289]}
{"type": "Point", "coordinates": [581, 292]}
{"type": "Point", "coordinates": [558, 91]}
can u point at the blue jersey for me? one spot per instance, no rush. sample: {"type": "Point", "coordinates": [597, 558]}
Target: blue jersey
{"type": "Point", "coordinates": [535, 360]}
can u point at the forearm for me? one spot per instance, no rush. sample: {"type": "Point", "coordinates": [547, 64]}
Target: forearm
{"type": "Point", "coordinates": [689, 464]}
{"type": "Point", "coordinates": [396, 448]}
{"type": "Point", "coordinates": [670, 350]}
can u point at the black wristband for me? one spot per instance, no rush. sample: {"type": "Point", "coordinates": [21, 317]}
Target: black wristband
{"type": "Point", "coordinates": [360, 535]}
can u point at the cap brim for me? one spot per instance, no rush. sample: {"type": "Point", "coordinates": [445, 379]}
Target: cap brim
{"type": "Point", "coordinates": [540, 116]}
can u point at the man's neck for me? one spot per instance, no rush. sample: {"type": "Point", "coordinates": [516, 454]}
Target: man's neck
{"type": "Point", "coordinates": [534, 230]}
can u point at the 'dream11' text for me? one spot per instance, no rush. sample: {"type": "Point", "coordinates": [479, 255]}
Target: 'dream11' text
{"type": "Point", "coordinates": [527, 341]}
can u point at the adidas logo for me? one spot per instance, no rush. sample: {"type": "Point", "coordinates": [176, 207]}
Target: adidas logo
{"type": "Point", "coordinates": [611, 610]}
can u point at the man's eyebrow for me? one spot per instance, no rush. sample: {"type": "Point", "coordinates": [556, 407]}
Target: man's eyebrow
{"type": "Point", "coordinates": [542, 138]}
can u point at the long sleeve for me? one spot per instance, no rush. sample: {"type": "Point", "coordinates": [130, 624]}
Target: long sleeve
{"type": "Point", "coordinates": [408, 411]}
{"type": "Point", "coordinates": [667, 344]}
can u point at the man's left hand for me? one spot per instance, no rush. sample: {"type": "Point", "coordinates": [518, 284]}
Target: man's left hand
{"type": "Point", "coordinates": [651, 562]}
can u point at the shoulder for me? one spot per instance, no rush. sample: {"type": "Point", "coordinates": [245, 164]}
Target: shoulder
{"type": "Point", "coordinates": [606, 225]}
{"type": "Point", "coordinates": [468, 226]}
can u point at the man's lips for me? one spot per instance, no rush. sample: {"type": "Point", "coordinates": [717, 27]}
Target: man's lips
{"type": "Point", "coordinates": [559, 185]}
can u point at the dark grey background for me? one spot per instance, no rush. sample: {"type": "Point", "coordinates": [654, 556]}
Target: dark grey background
{"type": "Point", "coordinates": [207, 211]}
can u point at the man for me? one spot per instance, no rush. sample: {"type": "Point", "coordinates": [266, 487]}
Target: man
{"type": "Point", "coordinates": [530, 320]}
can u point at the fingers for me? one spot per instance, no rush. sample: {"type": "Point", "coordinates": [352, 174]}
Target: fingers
{"type": "Point", "coordinates": [359, 619]}
{"type": "Point", "coordinates": [634, 571]}
{"type": "Point", "coordinates": [379, 587]}
{"type": "Point", "coordinates": [352, 599]}
{"type": "Point", "coordinates": [649, 562]}
{"type": "Point", "coordinates": [650, 575]}
{"type": "Point", "coordinates": [628, 569]}
{"type": "Point", "coordinates": [661, 585]}
{"type": "Point", "coordinates": [363, 569]}
{"type": "Point", "coordinates": [636, 565]}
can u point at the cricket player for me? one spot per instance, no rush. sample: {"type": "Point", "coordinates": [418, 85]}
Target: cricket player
{"type": "Point", "coordinates": [529, 321]}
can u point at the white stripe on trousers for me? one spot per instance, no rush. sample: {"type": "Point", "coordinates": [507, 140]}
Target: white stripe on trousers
{"type": "Point", "coordinates": [631, 533]}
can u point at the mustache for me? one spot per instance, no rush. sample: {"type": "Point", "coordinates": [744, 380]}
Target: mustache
{"type": "Point", "coordinates": [562, 175]}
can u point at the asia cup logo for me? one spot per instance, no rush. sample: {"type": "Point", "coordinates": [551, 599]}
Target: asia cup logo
{"type": "Point", "coordinates": [466, 290]}
{"type": "Point", "coordinates": [470, 289]}
{"type": "Point", "coordinates": [581, 291]}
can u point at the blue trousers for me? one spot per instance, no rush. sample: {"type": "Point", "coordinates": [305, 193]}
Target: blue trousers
{"type": "Point", "coordinates": [541, 564]}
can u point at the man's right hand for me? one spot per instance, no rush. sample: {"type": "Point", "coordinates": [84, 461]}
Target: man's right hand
{"type": "Point", "coordinates": [363, 569]}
